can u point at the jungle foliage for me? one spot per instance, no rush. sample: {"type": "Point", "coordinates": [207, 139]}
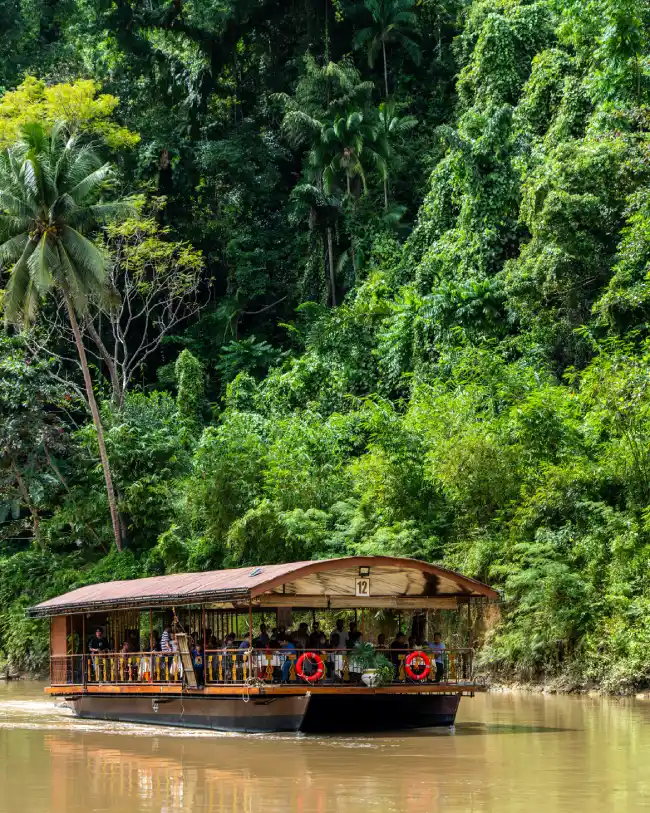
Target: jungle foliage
{"type": "Point", "coordinates": [383, 288]}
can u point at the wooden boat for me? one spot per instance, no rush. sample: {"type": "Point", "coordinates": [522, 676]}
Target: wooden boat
{"type": "Point", "coordinates": [249, 686]}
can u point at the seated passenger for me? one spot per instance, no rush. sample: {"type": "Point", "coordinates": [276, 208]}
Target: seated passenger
{"type": "Point", "coordinates": [381, 641]}
{"type": "Point", "coordinates": [263, 639]}
{"type": "Point", "coordinates": [287, 648]}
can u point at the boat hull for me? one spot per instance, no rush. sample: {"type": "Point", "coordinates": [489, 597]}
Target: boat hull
{"type": "Point", "coordinates": [380, 712]}
{"type": "Point", "coordinates": [262, 714]}
{"type": "Point", "coordinates": [257, 715]}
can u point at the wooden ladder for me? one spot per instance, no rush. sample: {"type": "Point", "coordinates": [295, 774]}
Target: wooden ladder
{"type": "Point", "coordinates": [186, 659]}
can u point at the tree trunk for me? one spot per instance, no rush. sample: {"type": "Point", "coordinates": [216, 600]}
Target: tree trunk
{"type": "Point", "coordinates": [385, 194]}
{"type": "Point", "coordinates": [383, 48]}
{"type": "Point", "coordinates": [118, 393]}
{"type": "Point", "coordinates": [327, 34]}
{"type": "Point", "coordinates": [330, 252]}
{"type": "Point", "coordinates": [110, 492]}
{"type": "Point", "coordinates": [36, 520]}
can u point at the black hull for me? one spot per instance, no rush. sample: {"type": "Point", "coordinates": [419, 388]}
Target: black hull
{"type": "Point", "coordinates": [379, 712]}
{"type": "Point", "coordinates": [309, 713]}
{"type": "Point", "coordinates": [256, 716]}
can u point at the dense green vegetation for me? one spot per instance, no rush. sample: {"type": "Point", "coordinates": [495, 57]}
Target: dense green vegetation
{"type": "Point", "coordinates": [381, 285]}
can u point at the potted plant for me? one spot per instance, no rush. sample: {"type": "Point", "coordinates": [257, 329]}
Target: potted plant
{"type": "Point", "coordinates": [375, 668]}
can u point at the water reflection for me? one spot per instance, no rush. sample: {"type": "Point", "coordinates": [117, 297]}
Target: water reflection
{"type": "Point", "coordinates": [509, 754]}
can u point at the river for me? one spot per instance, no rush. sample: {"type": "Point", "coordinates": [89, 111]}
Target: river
{"type": "Point", "coordinates": [509, 753]}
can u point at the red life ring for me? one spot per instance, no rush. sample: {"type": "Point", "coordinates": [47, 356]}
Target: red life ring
{"type": "Point", "coordinates": [409, 660]}
{"type": "Point", "coordinates": [320, 667]}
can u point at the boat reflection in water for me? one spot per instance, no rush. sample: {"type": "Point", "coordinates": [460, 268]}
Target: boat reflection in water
{"type": "Point", "coordinates": [173, 773]}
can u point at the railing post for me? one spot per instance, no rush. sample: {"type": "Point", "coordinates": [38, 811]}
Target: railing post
{"type": "Point", "coordinates": [269, 667]}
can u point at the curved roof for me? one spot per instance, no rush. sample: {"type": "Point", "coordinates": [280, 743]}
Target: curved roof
{"type": "Point", "coordinates": [394, 576]}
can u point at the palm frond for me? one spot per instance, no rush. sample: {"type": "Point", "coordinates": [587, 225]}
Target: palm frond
{"type": "Point", "coordinates": [11, 250]}
{"type": "Point", "coordinates": [19, 298]}
{"type": "Point", "coordinates": [89, 263]}
{"type": "Point", "coordinates": [90, 185]}
{"type": "Point", "coordinates": [42, 264]}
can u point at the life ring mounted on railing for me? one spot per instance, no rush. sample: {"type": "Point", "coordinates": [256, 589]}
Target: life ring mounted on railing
{"type": "Point", "coordinates": [320, 667]}
{"type": "Point", "coordinates": [418, 655]}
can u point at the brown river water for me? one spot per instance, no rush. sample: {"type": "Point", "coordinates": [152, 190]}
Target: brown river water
{"type": "Point", "coordinates": [509, 753]}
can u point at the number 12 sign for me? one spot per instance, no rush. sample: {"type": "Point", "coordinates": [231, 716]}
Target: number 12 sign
{"type": "Point", "coordinates": [362, 586]}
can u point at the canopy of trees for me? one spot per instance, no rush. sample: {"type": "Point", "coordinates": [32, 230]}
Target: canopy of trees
{"type": "Point", "coordinates": [287, 281]}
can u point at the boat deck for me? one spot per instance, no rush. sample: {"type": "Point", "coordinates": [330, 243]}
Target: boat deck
{"type": "Point", "coordinates": [252, 690]}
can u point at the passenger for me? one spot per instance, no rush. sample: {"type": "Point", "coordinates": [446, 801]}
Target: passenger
{"type": "Point", "coordinates": [335, 659]}
{"type": "Point", "coordinates": [263, 639]}
{"type": "Point", "coordinates": [198, 663]}
{"type": "Point", "coordinates": [98, 643]}
{"type": "Point", "coordinates": [439, 649]}
{"type": "Point", "coordinates": [315, 637]}
{"type": "Point", "coordinates": [155, 641]}
{"type": "Point", "coordinates": [287, 648]}
{"type": "Point", "coordinates": [398, 647]}
{"type": "Point", "coordinates": [176, 662]}
{"type": "Point", "coordinates": [165, 639]}
{"type": "Point", "coordinates": [301, 638]}
{"type": "Point", "coordinates": [381, 641]}
{"type": "Point", "coordinates": [354, 635]}
{"type": "Point", "coordinates": [212, 642]}
{"type": "Point", "coordinates": [341, 634]}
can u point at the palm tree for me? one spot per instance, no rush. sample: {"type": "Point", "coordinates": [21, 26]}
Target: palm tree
{"type": "Point", "coordinates": [393, 21]}
{"type": "Point", "coordinates": [391, 128]}
{"type": "Point", "coordinates": [347, 145]}
{"type": "Point", "coordinates": [50, 195]}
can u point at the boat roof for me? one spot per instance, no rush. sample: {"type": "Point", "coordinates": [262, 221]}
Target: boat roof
{"type": "Point", "coordinates": [305, 583]}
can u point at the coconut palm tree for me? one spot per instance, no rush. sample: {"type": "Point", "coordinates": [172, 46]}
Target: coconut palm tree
{"type": "Point", "coordinates": [51, 189]}
{"type": "Point", "coordinates": [392, 21]}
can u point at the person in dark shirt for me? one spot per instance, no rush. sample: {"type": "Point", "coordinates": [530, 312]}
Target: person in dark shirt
{"type": "Point", "coordinates": [98, 643]}
{"type": "Point", "coordinates": [397, 648]}
{"type": "Point", "coordinates": [98, 646]}
{"type": "Point", "coordinates": [263, 639]}
{"type": "Point", "coordinates": [198, 662]}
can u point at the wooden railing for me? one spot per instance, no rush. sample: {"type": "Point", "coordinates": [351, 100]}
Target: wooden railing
{"type": "Point", "coordinates": [341, 667]}
{"type": "Point", "coordinates": [243, 666]}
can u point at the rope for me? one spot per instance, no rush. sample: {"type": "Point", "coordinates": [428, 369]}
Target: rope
{"type": "Point", "coordinates": [252, 682]}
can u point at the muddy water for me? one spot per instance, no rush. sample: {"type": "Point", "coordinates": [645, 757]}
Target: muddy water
{"type": "Point", "coordinates": [509, 753]}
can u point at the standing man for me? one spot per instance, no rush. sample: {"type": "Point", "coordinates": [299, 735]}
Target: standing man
{"type": "Point", "coordinates": [439, 650]}
{"type": "Point", "coordinates": [342, 635]}
{"type": "Point", "coordinates": [98, 647]}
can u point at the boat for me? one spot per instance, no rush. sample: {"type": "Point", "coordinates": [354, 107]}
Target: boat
{"type": "Point", "coordinates": [220, 675]}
